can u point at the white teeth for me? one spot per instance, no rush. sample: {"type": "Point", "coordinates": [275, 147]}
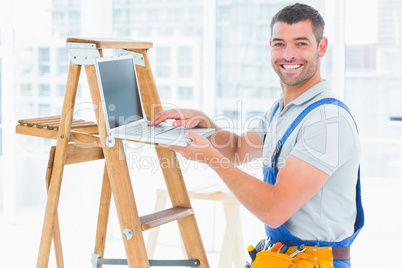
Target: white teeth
{"type": "Point", "coordinates": [291, 67]}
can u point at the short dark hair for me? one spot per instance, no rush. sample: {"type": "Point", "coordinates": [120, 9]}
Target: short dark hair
{"type": "Point", "coordinates": [301, 12]}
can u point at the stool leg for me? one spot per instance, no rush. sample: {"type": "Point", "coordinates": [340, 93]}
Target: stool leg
{"type": "Point", "coordinates": [232, 218]}
{"type": "Point", "coordinates": [154, 233]}
{"type": "Point", "coordinates": [239, 257]}
{"type": "Point", "coordinates": [103, 216]}
{"type": "Point", "coordinates": [56, 232]}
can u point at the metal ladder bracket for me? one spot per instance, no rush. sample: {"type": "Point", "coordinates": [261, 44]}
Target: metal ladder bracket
{"type": "Point", "coordinates": [181, 263]}
{"type": "Point", "coordinates": [82, 53]}
{"type": "Point", "coordinates": [138, 57]}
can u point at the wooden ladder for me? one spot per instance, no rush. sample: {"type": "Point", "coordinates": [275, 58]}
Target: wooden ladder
{"type": "Point", "coordinates": [80, 141]}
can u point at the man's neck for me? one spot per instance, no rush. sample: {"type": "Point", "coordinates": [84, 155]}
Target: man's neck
{"type": "Point", "coordinates": [290, 93]}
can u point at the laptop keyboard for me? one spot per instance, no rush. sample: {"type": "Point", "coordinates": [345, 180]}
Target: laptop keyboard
{"type": "Point", "coordinates": [155, 129]}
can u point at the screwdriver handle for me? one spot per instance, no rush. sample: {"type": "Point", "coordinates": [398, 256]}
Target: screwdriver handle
{"type": "Point", "coordinates": [276, 247]}
{"type": "Point", "coordinates": [252, 252]}
{"type": "Point", "coordinates": [283, 249]}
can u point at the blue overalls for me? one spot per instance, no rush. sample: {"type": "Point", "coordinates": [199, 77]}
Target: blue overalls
{"type": "Point", "coordinates": [282, 234]}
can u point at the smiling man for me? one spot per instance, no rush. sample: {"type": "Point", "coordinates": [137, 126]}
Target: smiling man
{"type": "Point", "coordinates": [308, 141]}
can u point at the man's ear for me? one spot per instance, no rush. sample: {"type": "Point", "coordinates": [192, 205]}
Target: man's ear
{"type": "Point", "coordinates": [322, 47]}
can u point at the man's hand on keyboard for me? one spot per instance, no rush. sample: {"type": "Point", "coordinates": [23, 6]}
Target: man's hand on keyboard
{"type": "Point", "coordinates": [183, 118]}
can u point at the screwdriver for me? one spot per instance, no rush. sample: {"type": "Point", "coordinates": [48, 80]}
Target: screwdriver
{"type": "Point", "coordinates": [283, 249]}
{"type": "Point", "coordinates": [276, 247]}
{"type": "Point", "coordinates": [252, 252]}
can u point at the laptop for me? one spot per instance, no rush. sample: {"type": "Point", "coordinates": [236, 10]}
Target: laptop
{"type": "Point", "coordinates": [124, 113]}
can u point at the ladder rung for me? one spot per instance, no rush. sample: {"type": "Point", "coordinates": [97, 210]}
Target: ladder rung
{"type": "Point", "coordinates": [96, 261]}
{"type": "Point", "coordinates": [164, 216]}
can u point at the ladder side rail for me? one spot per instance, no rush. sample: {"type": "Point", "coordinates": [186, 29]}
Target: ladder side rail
{"type": "Point", "coordinates": [58, 167]}
{"type": "Point", "coordinates": [103, 216]}
{"type": "Point", "coordinates": [172, 172]}
{"type": "Point", "coordinates": [56, 233]}
{"type": "Point", "coordinates": [120, 183]}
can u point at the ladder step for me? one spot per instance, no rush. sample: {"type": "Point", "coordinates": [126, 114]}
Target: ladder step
{"type": "Point", "coordinates": [53, 123]}
{"type": "Point", "coordinates": [102, 43]}
{"type": "Point", "coordinates": [164, 216]}
{"type": "Point", "coordinates": [39, 119]}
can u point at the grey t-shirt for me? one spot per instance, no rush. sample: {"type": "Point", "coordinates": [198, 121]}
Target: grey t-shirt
{"type": "Point", "coordinates": [327, 139]}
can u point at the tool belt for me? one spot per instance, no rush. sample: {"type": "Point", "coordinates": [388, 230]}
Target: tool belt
{"type": "Point", "coordinates": [301, 257]}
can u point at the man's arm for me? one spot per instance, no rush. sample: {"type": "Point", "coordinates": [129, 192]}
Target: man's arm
{"type": "Point", "coordinates": [297, 182]}
{"type": "Point", "coordinates": [238, 149]}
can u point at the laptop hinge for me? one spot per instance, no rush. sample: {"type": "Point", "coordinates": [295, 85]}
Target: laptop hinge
{"type": "Point", "coordinates": [82, 53]}
{"type": "Point", "coordinates": [138, 57]}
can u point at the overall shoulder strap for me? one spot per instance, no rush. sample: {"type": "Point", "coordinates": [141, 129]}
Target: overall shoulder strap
{"type": "Point", "coordinates": [300, 118]}
{"type": "Point", "coordinates": [273, 114]}
{"type": "Point", "coordinates": [272, 117]}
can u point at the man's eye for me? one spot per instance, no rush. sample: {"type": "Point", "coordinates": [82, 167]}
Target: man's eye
{"type": "Point", "coordinates": [302, 44]}
{"type": "Point", "coordinates": [278, 44]}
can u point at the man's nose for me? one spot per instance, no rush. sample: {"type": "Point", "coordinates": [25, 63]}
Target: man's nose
{"type": "Point", "coordinates": [289, 53]}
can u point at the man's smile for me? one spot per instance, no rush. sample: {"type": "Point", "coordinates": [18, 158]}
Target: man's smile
{"type": "Point", "coordinates": [291, 66]}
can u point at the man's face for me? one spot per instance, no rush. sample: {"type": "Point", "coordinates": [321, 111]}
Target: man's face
{"type": "Point", "coordinates": [295, 53]}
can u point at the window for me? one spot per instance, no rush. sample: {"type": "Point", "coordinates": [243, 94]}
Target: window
{"type": "Point", "coordinates": [373, 85]}
{"type": "Point", "coordinates": [26, 60]}
{"type": "Point", "coordinates": [162, 70]}
{"type": "Point", "coordinates": [26, 90]}
{"type": "Point", "coordinates": [44, 61]}
{"type": "Point", "coordinates": [74, 3]}
{"type": "Point", "coordinates": [44, 90]}
{"type": "Point", "coordinates": [185, 93]}
{"type": "Point", "coordinates": [196, 14]}
{"type": "Point", "coordinates": [174, 15]}
{"type": "Point", "coordinates": [163, 54]}
{"type": "Point", "coordinates": [60, 90]}
{"type": "Point", "coordinates": [62, 61]}
{"type": "Point", "coordinates": [186, 54]}
{"type": "Point", "coordinates": [117, 16]}
{"type": "Point", "coordinates": [58, 18]}
{"type": "Point", "coordinates": [75, 18]}
{"type": "Point", "coordinates": [164, 61]}
{"type": "Point", "coordinates": [224, 13]}
{"type": "Point", "coordinates": [185, 71]}
{"type": "Point", "coordinates": [44, 109]}
{"type": "Point", "coordinates": [26, 110]}
{"type": "Point", "coordinates": [231, 113]}
{"type": "Point", "coordinates": [254, 114]}
{"type": "Point", "coordinates": [185, 62]}
{"type": "Point", "coordinates": [164, 92]}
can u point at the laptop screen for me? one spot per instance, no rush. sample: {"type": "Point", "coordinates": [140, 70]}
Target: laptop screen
{"type": "Point", "coordinates": [120, 90]}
